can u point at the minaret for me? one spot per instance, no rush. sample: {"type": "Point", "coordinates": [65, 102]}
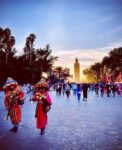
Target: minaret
{"type": "Point", "coordinates": [76, 71]}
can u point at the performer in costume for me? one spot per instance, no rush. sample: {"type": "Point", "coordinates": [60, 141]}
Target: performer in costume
{"type": "Point", "coordinates": [14, 98]}
{"type": "Point", "coordinates": [44, 102]}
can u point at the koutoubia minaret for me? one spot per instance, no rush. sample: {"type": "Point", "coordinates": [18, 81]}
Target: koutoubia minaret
{"type": "Point", "coordinates": [76, 71]}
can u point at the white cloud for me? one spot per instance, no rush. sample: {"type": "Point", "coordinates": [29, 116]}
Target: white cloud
{"type": "Point", "coordinates": [19, 48]}
{"type": "Point", "coordinates": [114, 30]}
{"type": "Point", "coordinates": [106, 19]}
{"type": "Point", "coordinates": [86, 57]}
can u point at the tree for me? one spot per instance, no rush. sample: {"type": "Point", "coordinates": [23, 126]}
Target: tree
{"type": "Point", "coordinates": [28, 67]}
{"type": "Point", "coordinates": [59, 70]}
{"type": "Point", "coordinates": [7, 41]}
{"type": "Point", "coordinates": [110, 67]}
{"type": "Point", "coordinates": [90, 75]}
{"type": "Point", "coordinates": [7, 53]}
{"type": "Point", "coordinates": [28, 49]}
{"type": "Point", "coordinates": [97, 70]}
{"type": "Point", "coordinates": [44, 59]}
{"type": "Point", "coordinates": [116, 58]}
{"type": "Point", "coordinates": [61, 73]}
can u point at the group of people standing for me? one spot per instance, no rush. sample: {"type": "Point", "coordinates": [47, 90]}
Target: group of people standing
{"type": "Point", "coordinates": [77, 89]}
{"type": "Point", "coordinates": [99, 89]}
{"type": "Point", "coordinates": [14, 99]}
{"type": "Point", "coordinates": [110, 89]}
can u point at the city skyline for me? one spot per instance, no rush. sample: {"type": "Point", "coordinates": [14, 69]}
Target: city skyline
{"type": "Point", "coordinates": [73, 28]}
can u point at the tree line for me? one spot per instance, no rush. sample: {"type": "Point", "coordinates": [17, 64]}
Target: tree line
{"type": "Point", "coordinates": [28, 67]}
{"type": "Point", "coordinates": [108, 70]}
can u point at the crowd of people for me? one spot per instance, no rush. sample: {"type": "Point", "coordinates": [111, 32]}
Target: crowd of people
{"type": "Point", "coordinates": [15, 97]}
{"type": "Point", "coordinates": [100, 89]}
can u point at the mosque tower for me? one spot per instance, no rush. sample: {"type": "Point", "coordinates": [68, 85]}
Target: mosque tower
{"type": "Point", "coordinates": [76, 71]}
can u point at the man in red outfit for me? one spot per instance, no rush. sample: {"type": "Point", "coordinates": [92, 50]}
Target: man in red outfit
{"type": "Point", "coordinates": [43, 100]}
{"type": "Point", "coordinates": [14, 98]}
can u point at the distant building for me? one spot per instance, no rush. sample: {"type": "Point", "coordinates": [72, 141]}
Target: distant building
{"type": "Point", "coordinates": [76, 71]}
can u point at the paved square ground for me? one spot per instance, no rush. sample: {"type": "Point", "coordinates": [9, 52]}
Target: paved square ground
{"type": "Point", "coordinates": [95, 124]}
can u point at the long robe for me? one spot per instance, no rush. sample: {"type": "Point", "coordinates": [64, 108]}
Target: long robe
{"type": "Point", "coordinates": [14, 109]}
{"type": "Point", "coordinates": [40, 114]}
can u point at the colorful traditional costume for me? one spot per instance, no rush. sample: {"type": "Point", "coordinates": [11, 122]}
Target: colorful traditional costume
{"type": "Point", "coordinates": [43, 100]}
{"type": "Point", "coordinates": [14, 98]}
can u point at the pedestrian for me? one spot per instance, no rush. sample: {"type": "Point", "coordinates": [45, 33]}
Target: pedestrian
{"type": "Point", "coordinates": [14, 98]}
{"type": "Point", "coordinates": [102, 89]}
{"type": "Point", "coordinates": [44, 102]}
{"type": "Point", "coordinates": [119, 89]}
{"type": "Point", "coordinates": [85, 91]}
{"type": "Point", "coordinates": [97, 89]}
{"type": "Point", "coordinates": [74, 88]}
{"type": "Point", "coordinates": [63, 88]}
{"type": "Point", "coordinates": [78, 91]}
{"type": "Point", "coordinates": [60, 89]}
{"type": "Point", "coordinates": [108, 89]}
{"type": "Point", "coordinates": [113, 88]}
{"type": "Point", "coordinates": [57, 89]}
{"type": "Point", "coordinates": [67, 90]}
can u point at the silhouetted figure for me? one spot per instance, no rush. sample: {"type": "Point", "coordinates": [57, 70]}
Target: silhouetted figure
{"type": "Point", "coordinates": [60, 89]}
{"type": "Point", "coordinates": [113, 88]}
{"type": "Point", "coordinates": [97, 89]}
{"type": "Point", "coordinates": [85, 91]}
{"type": "Point", "coordinates": [102, 90]}
{"type": "Point", "coordinates": [108, 90]}
{"type": "Point", "coordinates": [63, 89]}
{"type": "Point", "coordinates": [57, 89]}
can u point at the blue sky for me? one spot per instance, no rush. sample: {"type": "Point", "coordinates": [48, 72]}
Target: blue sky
{"type": "Point", "coordinates": [72, 27]}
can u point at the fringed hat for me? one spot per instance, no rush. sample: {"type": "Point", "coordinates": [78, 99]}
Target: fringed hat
{"type": "Point", "coordinates": [41, 85]}
{"type": "Point", "coordinates": [10, 82]}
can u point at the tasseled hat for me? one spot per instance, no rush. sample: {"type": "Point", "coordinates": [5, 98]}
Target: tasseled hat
{"type": "Point", "coordinates": [10, 82]}
{"type": "Point", "coordinates": [41, 85]}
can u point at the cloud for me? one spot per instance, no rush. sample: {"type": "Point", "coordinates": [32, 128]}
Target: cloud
{"type": "Point", "coordinates": [19, 48]}
{"type": "Point", "coordinates": [106, 19]}
{"type": "Point", "coordinates": [86, 57]}
{"type": "Point", "coordinates": [114, 30]}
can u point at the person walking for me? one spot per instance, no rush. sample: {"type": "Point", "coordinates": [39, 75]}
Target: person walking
{"type": "Point", "coordinates": [97, 89]}
{"type": "Point", "coordinates": [85, 91]}
{"type": "Point", "coordinates": [14, 98]}
{"type": "Point", "coordinates": [108, 89]}
{"type": "Point", "coordinates": [44, 102]}
{"type": "Point", "coordinates": [114, 89]}
{"type": "Point", "coordinates": [78, 91]}
{"type": "Point", "coordinates": [67, 90]}
{"type": "Point", "coordinates": [102, 89]}
{"type": "Point", "coordinates": [74, 88]}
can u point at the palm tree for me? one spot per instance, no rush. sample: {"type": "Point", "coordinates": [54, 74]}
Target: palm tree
{"type": "Point", "coordinates": [44, 59]}
{"type": "Point", "coordinates": [28, 49]}
{"type": "Point", "coordinates": [59, 71]}
{"type": "Point", "coordinates": [7, 41]}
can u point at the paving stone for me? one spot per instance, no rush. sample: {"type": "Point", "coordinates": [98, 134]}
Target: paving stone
{"type": "Point", "coordinates": [72, 125]}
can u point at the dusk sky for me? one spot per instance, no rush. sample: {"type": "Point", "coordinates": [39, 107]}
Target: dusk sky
{"type": "Point", "coordinates": [87, 29]}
